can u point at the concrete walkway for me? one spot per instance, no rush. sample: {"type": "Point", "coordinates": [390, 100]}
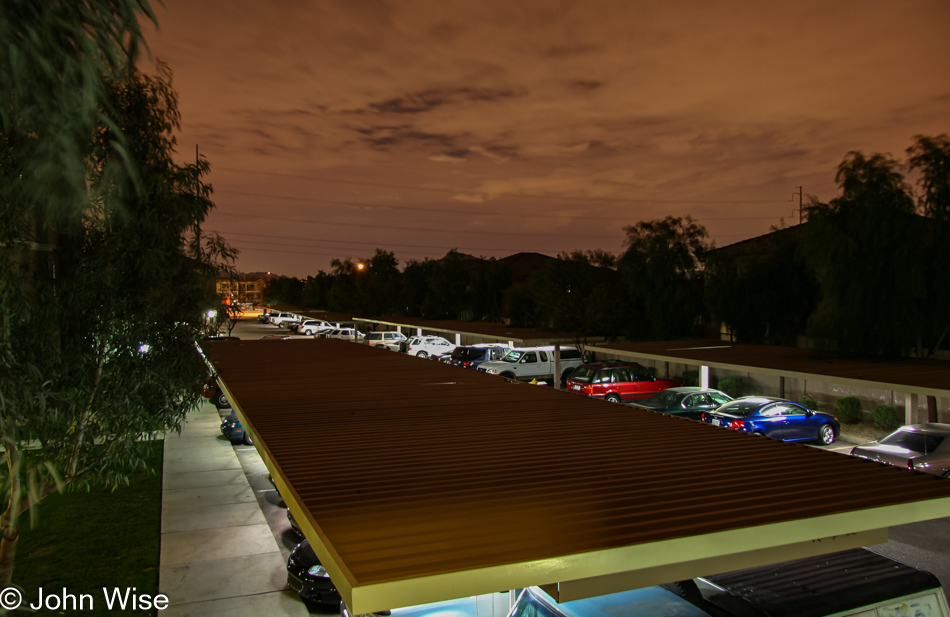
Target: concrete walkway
{"type": "Point", "coordinates": [218, 554]}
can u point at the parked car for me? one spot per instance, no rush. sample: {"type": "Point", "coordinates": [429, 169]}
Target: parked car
{"type": "Point", "coordinates": [213, 392]}
{"type": "Point", "coordinates": [293, 525]}
{"type": "Point", "coordinates": [387, 340]}
{"type": "Point", "coordinates": [528, 363]}
{"type": "Point", "coordinates": [921, 447]}
{"type": "Point", "coordinates": [685, 401]}
{"type": "Point", "coordinates": [278, 318]}
{"type": "Point", "coordinates": [265, 316]}
{"type": "Point", "coordinates": [471, 356]}
{"type": "Point", "coordinates": [776, 418]}
{"type": "Point", "coordinates": [617, 381]}
{"type": "Point", "coordinates": [425, 346]}
{"type": "Point", "coordinates": [313, 326]}
{"type": "Point", "coordinates": [309, 578]}
{"type": "Point", "coordinates": [347, 334]}
{"type": "Point", "coordinates": [653, 601]}
{"type": "Point", "coordinates": [462, 607]}
{"type": "Point", "coordinates": [233, 431]}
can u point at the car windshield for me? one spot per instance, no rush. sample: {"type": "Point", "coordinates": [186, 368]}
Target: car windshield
{"type": "Point", "coordinates": [513, 356]}
{"type": "Point", "coordinates": [468, 353]}
{"type": "Point", "coordinates": [915, 442]}
{"type": "Point", "coordinates": [583, 374]}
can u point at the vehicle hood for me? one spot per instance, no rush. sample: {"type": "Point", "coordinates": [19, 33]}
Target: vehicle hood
{"type": "Point", "coordinates": [892, 455]}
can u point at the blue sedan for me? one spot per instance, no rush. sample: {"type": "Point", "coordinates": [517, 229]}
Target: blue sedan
{"type": "Point", "coordinates": [776, 418]}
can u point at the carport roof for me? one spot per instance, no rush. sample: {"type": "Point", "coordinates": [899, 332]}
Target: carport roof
{"type": "Point", "coordinates": [927, 377]}
{"type": "Point", "coordinates": [498, 331]}
{"type": "Point", "coordinates": [417, 481]}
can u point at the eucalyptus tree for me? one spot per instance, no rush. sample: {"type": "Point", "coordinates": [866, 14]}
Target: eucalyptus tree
{"type": "Point", "coordinates": [662, 269]}
{"type": "Point", "coordinates": [104, 274]}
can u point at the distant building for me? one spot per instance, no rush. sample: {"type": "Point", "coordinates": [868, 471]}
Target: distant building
{"type": "Point", "coordinates": [240, 290]}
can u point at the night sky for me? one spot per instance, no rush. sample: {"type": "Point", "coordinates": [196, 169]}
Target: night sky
{"type": "Point", "coordinates": [335, 127]}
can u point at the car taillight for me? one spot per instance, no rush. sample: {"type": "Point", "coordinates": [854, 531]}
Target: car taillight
{"type": "Point", "coordinates": [466, 364]}
{"type": "Point", "coordinates": [588, 389]}
{"type": "Point", "coordinates": [736, 424]}
{"type": "Point", "coordinates": [703, 417]}
{"type": "Point", "coordinates": [910, 464]}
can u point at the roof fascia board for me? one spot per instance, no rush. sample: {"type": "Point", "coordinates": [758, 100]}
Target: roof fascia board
{"type": "Point", "coordinates": [635, 579]}
{"type": "Point", "coordinates": [677, 552]}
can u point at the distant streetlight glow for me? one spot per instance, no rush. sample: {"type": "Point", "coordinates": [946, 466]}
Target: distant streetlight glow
{"type": "Point", "coordinates": [361, 266]}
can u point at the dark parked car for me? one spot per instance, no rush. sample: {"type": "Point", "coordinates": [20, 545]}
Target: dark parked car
{"type": "Point", "coordinates": [265, 316]}
{"type": "Point", "coordinates": [922, 447]}
{"type": "Point", "coordinates": [213, 391]}
{"type": "Point", "coordinates": [308, 578]}
{"type": "Point", "coordinates": [616, 381]}
{"type": "Point", "coordinates": [233, 431]}
{"type": "Point", "coordinates": [470, 356]}
{"type": "Point", "coordinates": [687, 402]}
{"type": "Point", "coordinates": [775, 418]}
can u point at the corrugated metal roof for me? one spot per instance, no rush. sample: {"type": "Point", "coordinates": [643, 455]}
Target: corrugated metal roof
{"type": "Point", "coordinates": [418, 481]}
{"type": "Point", "coordinates": [929, 377]}
{"type": "Point", "coordinates": [497, 331]}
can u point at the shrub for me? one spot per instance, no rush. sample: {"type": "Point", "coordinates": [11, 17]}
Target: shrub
{"type": "Point", "coordinates": [690, 378]}
{"type": "Point", "coordinates": [886, 418]}
{"type": "Point", "coordinates": [810, 403]}
{"type": "Point", "coordinates": [731, 385]}
{"type": "Point", "coordinates": [849, 410]}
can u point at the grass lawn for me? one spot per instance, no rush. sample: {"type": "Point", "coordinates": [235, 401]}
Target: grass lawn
{"type": "Point", "coordinates": [86, 541]}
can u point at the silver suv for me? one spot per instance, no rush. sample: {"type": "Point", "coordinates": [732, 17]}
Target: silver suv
{"type": "Point", "coordinates": [388, 340]}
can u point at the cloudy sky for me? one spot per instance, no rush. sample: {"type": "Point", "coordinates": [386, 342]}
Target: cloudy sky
{"type": "Point", "coordinates": [337, 126]}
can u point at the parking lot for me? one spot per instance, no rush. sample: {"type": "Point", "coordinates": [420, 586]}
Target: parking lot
{"type": "Point", "coordinates": [925, 544]}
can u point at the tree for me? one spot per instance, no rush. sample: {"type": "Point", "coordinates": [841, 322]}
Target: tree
{"type": "Point", "coordinates": [574, 296]}
{"type": "Point", "coordinates": [931, 157]}
{"type": "Point", "coordinates": [863, 249]}
{"type": "Point", "coordinates": [97, 349]}
{"type": "Point", "coordinates": [662, 269]}
{"type": "Point", "coordinates": [765, 299]}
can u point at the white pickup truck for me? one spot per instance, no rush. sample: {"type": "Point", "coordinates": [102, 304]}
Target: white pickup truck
{"type": "Point", "coordinates": [527, 363]}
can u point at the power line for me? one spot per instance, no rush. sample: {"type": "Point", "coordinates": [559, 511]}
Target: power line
{"type": "Point", "coordinates": [488, 193]}
{"type": "Point", "coordinates": [454, 210]}
{"type": "Point", "coordinates": [373, 244]}
{"type": "Point", "coordinates": [395, 228]}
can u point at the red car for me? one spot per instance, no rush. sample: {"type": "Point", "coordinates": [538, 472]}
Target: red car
{"type": "Point", "coordinates": [617, 382]}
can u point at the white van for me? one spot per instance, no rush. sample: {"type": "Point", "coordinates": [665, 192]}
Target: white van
{"type": "Point", "coordinates": [527, 363]}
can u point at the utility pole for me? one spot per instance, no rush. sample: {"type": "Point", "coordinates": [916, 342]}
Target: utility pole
{"type": "Point", "coordinates": [799, 194]}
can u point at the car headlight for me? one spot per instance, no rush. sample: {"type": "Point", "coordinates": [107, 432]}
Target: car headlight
{"type": "Point", "coordinates": [317, 571]}
{"type": "Point", "coordinates": [492, 370]}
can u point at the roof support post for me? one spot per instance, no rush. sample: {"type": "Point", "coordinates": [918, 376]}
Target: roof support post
{"type": "Point", "coordinates": [458, 339]}
{"type": "Point", "coordinates": [704, 377]}
{"type": "Point", "coordinates": [492, 604]}
{"type": "Point", "coordinates": [557, 367]}
{"type": "Point", "coordinates": [781, 386]}
{"type": "Point", "coordinates": [911, 414]}
{"type": "Point", "coordinates": [418, 331]}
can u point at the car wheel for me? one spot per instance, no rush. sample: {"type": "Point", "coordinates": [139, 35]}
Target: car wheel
{"type": "Point", "coordinates": [612, 398]}
{"type": "Point", "coordinates": [759, 434]}
{"type": "Point", "coordinates": [826, 434]}
{"type": "Point", "coordinates": [220, 400]}
{"type": "Point", "coordinates": [247, 439]}
{"type": "Point", "coordinates": [508, 375]}
{"type": "Point", "coordinates": [422, 354]}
